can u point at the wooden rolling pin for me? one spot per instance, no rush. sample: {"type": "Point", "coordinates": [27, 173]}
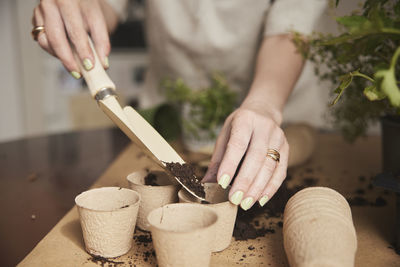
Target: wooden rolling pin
{"type": "Point", "coordinates": [318, 229]}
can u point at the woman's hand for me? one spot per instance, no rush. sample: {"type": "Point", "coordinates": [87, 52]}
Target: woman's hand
{"type": "Point", "coordinates": [249, 132]}
{"type": "Point", "coordinates": [69, 22]}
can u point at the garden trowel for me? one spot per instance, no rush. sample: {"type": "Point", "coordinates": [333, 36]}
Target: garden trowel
{"type": "Point", "coordinates": [127, 119]}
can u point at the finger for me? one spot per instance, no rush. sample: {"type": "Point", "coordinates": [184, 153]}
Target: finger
{"type": "Point", "coordinates": [259, 183]}
{"type": "Point", "coordinates": [37, 20]}
{"type": "Point", "coordinates": [239, 138]}
{"type": "Point", "coordinates": [277, 178]}
{"type": "Point", "coordinates": [57, 38]}
{"type": "Point", "coordinates": [267, 167]}
{"type": "Point", "coordinates": [95, 20]}
{"type": "Point", "coordinates": [34, 15]}
{"type": "Point", "coordinates": [71, 15]}
{"type": "Point", "coordinates": [44, 43]}
{"type": "Point", "coordinates": [219, 150]}
{"type": "Point", "coordinates": [252, 163]}
{"type": "Point", "coordinates": [266, 171]}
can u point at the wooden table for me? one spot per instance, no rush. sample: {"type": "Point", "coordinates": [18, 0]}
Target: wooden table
{"type": "Point", "coordinates": [39, 178]}
{"type": "Point", "coordinates": [336, 164]}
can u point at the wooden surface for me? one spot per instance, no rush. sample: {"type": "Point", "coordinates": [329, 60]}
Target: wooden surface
{"type": "Point", "coordinates": [346, 168]}
{"type": "Point", "coordinates": [40, 176]}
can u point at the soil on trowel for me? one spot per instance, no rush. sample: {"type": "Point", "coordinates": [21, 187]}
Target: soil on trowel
{"type": "Point", "coordinates": [186, 174]}
{"type": "Point", "coordinates": [151, 179]}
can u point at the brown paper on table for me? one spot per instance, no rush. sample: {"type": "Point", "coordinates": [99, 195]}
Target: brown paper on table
{"type": "Point", "coordinates": [336, 164]}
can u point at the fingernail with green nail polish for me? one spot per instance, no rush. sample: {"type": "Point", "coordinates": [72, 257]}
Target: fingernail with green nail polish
{"type": "Point", "coordinates": [75, 74]}
{"type": "Point", "coordinates": [263, 200]}
{"type": "Point", "coordinates": [87, 64]}
{"type": "Point", "coordinates": [247, 203]}
{"type": "Point", "coordinates": [224, 181]}
{"type": "Point", "coordinates": [106, 62]}
{"type": "Point", "coordinates": [236, 198]}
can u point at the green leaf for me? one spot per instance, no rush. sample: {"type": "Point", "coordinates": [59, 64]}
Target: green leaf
{"type": "Point", "coordinates": [387, 80]}
{"type": "Point", "coordinates": [167, 122]}
{"type": "Point", "coordinates": [345, 82]}
{"type": "Point", "coordinates": [355, 23]}
{"type": "Point", "coordinates": [397, 8]}
{"type": "Point", "coordinates": [372, 93]}
{"type": "Point", "coordinates": [388, 84]}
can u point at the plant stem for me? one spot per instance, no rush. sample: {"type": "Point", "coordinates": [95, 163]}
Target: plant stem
{"type": "Point", "coordinates": [359, 74]}
{"type": "Point", "coordinates": [394, 58]}
{"type": "Point", "coordinates": [390, 30]}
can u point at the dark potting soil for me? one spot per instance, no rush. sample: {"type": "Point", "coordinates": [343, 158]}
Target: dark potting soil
{"type": "Point", "coordinates": [104, 261]}
{"type": "Point", "coordinates": [362, 202]}
{"type": "Point", "coordinates": [310, 181]}
{"type": "Point", "coordinates": [186, 174]}
{"type": "Point", "coordinates": [360, 191]}
{"type": "Point", "coordinates": [246, 228]}
{"type": "Point", "coordinates": [151, 179]}
{"type": "Point", "coordinates": [144, 238]}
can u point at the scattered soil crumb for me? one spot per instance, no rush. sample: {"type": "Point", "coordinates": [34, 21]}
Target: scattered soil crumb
{"type": "Point", "coordinates": [103, 261]}
{"type": "Point", "coordinates": [309, 181]}
{"type": "Point", "coordinates": [33, 177]}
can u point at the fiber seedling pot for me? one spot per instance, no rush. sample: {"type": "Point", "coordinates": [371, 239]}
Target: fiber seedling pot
{"type": "Point", "coordinates": [301, 139]}
{"type": "Point", "coordinates": [318, 229]}
{"type": "Point", "coordinates": [108, 217]}
{"type": "Point", "coordinates": [219, 201]}
{"type": "Point", "coordinates": [183, 234]}
{"type": "Point", "coordinates": [163, 191]}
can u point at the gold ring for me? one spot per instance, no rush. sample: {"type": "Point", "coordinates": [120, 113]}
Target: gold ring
{"type": "Point", "coordinates": [273, 154]}
{"type": "Point", "coordinates": [36, 31]}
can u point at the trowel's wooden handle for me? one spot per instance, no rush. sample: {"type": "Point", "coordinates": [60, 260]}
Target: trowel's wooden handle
{"type": "Point", "coordinates": [96, 78]}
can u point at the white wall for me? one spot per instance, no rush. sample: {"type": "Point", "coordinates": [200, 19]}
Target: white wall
{"type": "Point", "coordinates": [11, 104]}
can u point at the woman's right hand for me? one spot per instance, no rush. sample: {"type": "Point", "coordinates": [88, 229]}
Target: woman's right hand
{"type": "Point", "coordinates": [69, 23]}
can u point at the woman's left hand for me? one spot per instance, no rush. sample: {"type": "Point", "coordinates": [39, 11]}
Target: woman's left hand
{"type": "Point", "coordinates": [249, 132]}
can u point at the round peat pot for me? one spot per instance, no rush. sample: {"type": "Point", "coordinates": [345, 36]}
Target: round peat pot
{"type": "Point", "coordinates": [108, 217]}
{"type": "Point", "coordinates": [183, 234]}
{"type": "Point", "coordinates": [318, 229]}
{"type": "Point", "coordinates": [301, 139]}
{"type": "Point", "coordinates": [156, 189]}
{"type": "Point", "coordinates": [218, 199]}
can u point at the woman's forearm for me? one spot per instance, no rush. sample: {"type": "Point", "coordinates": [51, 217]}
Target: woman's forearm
{"type": "Point", "coordinates": [277, 70]}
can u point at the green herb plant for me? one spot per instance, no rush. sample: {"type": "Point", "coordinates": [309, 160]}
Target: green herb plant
{"type": "Point", "coordinates": [363, 61]}
{"type": "Point", "coordinates": [207, 108]}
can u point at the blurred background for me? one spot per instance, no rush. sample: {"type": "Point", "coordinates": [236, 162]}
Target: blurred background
{"type": "Point", "coordinates": [39, 97]}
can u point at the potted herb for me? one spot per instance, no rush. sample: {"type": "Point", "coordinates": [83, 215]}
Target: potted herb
{"type": "Point", "coordinates": [202, 111]}
{"type": "Point", "coordinates": [364, 61]}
